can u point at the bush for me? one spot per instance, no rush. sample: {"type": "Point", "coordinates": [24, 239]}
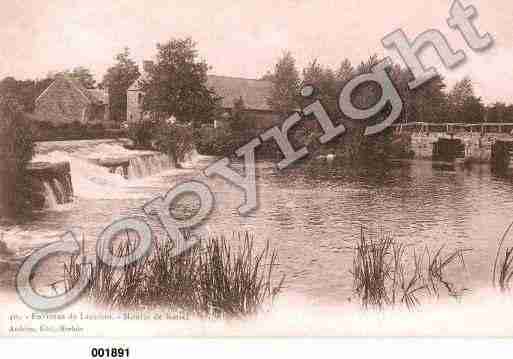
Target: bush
{"type": "Point", "coordinates": [355, 147]}
{"type": "Point", "coordinates": [141, 133]}
{"type": "Point", "coordinates": [217, 141]}
{"type": "Point", "coordinates": [174, 140]}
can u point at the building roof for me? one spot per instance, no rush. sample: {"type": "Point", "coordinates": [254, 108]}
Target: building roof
{"type": "Point", "coordinates": [97, 97]}
{"type": "Point", "coordinates": [253, 92]}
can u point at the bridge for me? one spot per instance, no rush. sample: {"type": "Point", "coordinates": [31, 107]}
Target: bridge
{"type": "Point", "coordinates": [478, 139]}
{"type": "Point", "coordinates": [454, 128]}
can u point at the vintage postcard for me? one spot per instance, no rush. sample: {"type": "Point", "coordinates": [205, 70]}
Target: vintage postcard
{"type": "Point", "coordinates": [256, 168]}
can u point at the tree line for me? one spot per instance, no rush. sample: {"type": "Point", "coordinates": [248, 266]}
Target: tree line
{"type": "Point", "coordinates": [432, 102]}
{"type": "Point", "coordinates": [176, 86]}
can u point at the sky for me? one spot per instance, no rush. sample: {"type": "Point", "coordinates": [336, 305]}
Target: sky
{"type": "Point", "coordinates": [246, 38]}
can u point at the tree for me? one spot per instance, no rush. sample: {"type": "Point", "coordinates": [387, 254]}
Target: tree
{"type": "Point", "coordinates": [429, 103]}
{"type": "Point", "coordinates": [24, 93]}
{"type": "Point", "coordinates": [496, 113]}
{"type": "Point", "coordinates": [238, 122]}
{"type": "Point", "coordinates": [82, 75]}
{"type": "Point", "coordinates": [177, 85]}
{"type": "Point", "coordinates": [464, 105]}
{"type": "Point", "coordinates": [16, 149]}
{"type": "Point", "coordinates": [117, 80]}
{"type": "Point", "coordinates": [285, 91]}
{"type": "Point", "coordinates": [325, 83]}
{"type": "Point", "coordinates": [368, 93]}
{"type": "Point", "coordinates": [345, 73]}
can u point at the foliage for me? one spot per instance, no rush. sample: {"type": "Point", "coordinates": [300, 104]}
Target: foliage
{"type": "Point", "coordinates": [17, 150]}
{"type": "Point", "coordinates": [428, 103]}
{"type": "Point", "coordinates": [175, 140]}
{"type": "Point", "coordinates": [325, 82]}
{"type": "Point", "coordinates": [238, 121]}
{"type": "Point", "coordinates": [141, 133]}
{"type": "Point", "coordinates": [233, 133]}
{"type": "Point", "coordinates": [284, 96]}
{"type": "Point", "coordinates": [353, 146]}
{"type": "Point", "coordinates": [499, 112]}
{"type": "Point", "coordinates": [117, 80]}
{"type": "Point", "coordinates": [24, 92]}
{"type": "Point", "coordinates": [176, 85]}
{"type": "Point", "coordinates": [464, 106]}
{"type": "Point", "coordinates": [83, 75]}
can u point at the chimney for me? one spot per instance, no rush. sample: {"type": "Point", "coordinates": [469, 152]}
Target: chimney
{"type": "Point", "coordinates": [147, 66]}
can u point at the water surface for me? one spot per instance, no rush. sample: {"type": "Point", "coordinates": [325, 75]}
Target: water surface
{"type": "Point", "coordinates": [311, 216]}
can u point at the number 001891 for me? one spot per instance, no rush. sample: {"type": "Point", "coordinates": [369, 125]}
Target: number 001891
{"type": "Point", "coordinates": [110, 352]}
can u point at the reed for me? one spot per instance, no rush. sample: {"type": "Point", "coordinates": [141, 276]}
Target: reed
{"type": "Point", "coordinates": [216, 278]}
{"type": "Point", "coordinates": [503, 265]}
{"type": "Point", "coordinates": [387, 273]}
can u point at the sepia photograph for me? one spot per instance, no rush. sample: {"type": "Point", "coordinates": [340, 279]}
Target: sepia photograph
{"type": "Point", "coordinates": [285, 168]}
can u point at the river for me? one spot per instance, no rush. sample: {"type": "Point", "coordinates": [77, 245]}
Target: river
{"type": "Point", "coordinates": [310, 216]}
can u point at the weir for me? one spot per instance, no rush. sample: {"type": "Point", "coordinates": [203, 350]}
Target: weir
{"type": "Point", "coordinates": [100, 169]}
{"type": "Point", "coordinates": [51, 184]}
{"type": "Point", "coordinates": [138, 166]}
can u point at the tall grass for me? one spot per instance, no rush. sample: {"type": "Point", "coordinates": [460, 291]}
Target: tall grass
{"type": "Point", "coordinates": [216, 278]}
{"type": "Point", "coordinates": [503, 265]}
{"type": "Point", "coordinates": [387, 273]}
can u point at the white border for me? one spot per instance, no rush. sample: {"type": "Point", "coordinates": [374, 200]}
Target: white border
{"type": "Point", "coordinates": [396, 348]}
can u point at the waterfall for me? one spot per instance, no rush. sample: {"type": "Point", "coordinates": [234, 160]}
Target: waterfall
{"type": "Point", "coordinates": [148, 165]}
{"type": "Point", "coordinates": [59, 191]}
{"type": "Point", "coordinates": [50, 198]}
{"type": "Point", "coordinates": [100, 169]}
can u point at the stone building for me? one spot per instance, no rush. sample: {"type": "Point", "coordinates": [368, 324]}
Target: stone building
{"type": "Point", "coordinates": [254, 94]}
{"type": "Point", "coordinates": [134, 96]}
{"type": "Point", "coordinates": [67, 101]}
